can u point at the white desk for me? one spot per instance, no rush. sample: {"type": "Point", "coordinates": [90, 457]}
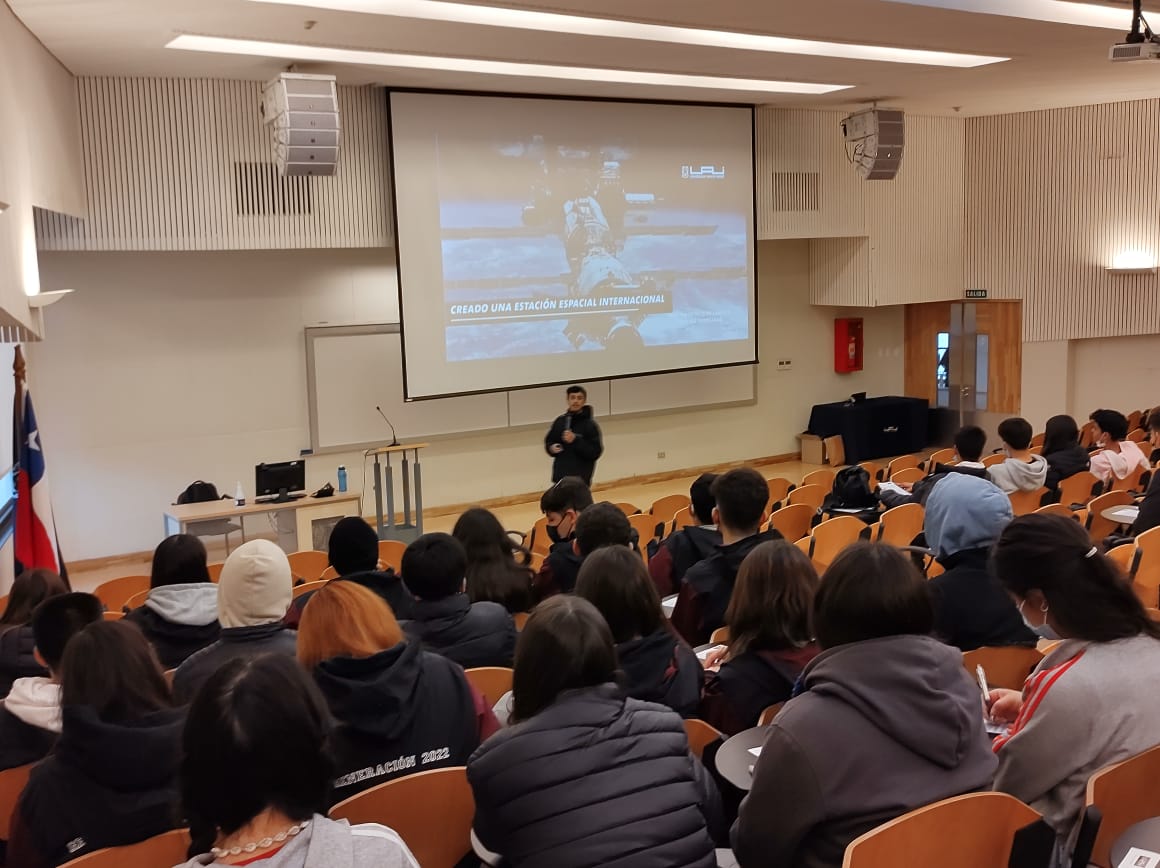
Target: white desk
{"type": "Point", "coordinates": [1121, 514]}
{"type": "Point", "coordinates": [307, 510]}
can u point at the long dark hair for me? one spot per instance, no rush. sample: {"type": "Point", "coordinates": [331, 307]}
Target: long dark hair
{"type": "Point", "coordinates": [497, 567]}
{"type": "Point", "coordinates": [566, 645]}
{"type": "Point", "coordinates": [178, 559]}
{"type": "Point", "coordinates": [31, 588]}
{"type": "Point", "coordinates": [770, 606]}
{"type": "Point", "coordinates": [615, 581]}
{"type": "Point", "coordinates": [110, 667]}
{"type": "Point", "coordinates": [1061, 433]}
{"type": "Point", "coordinates": [1085, 591]}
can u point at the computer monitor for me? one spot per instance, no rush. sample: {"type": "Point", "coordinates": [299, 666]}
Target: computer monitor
{"type": "Point", "coordinates": [280, 479]}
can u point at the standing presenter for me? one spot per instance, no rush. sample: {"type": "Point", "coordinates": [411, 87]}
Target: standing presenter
{"type": "Point", "coordinates": [574, 440]}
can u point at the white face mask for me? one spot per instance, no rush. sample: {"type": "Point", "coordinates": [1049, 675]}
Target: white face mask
{"type": "Point", "coordinates": [1043, 631]}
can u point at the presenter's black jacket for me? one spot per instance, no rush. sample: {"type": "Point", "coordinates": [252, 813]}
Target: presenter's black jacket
{"type": "Point", "coordinates": [704, 595]}
{"type": "Point", "coordinates": [235, 642]}
{"type": "Point", "coordinates": [104, 785]}
{"type": "Point", "coordinates": [470, 634]}
{"type": "Point", "coordinates": [399, 712]}
{"type": "Point", "coordinates": [18, 657]}
{"type": "Point", "coordinates": [579, 457]}
{"type": "Point", "coordinates": [595, 780]}
{"type": "Point", "coordinates": [385, 583]}
{"type": "Point", "coordinates": [661, 668]}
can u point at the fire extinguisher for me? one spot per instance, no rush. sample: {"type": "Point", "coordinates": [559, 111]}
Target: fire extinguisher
{"type": "Point", "coordinates": [853, 350]}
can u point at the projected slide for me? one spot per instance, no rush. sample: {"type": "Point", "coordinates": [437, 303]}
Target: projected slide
{"type": "Point", "coordinates": [548, 240]}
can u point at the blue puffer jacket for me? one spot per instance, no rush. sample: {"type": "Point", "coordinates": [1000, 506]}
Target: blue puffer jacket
{"type": "Point", "coordinates": [594, 780]}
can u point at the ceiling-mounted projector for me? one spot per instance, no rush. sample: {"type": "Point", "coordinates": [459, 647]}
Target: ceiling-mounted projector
{"type": "Point", "coordinates": [874, 140]}
{"type": "Point", "coordinates": [1125, 51]}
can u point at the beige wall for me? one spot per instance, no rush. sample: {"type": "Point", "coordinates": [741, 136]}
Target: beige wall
{"type": "Point", "coordinates": [166, 368]}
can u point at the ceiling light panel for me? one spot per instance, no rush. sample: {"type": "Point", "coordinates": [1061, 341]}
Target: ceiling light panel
{"type": "Point", "coordinates": [323, 54]}
{"type": "Point", "coordinates": [529, 19]}
{"type": "Point", "coordinates": [1052, 11]}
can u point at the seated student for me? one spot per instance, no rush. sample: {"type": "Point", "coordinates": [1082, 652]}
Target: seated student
{"type": "Point", "coordinates": [1092, 701]}
{"type": "Point", "coordinates": [685, 547]}
{"type": "Point", "coordinates": [770, 641]}
{"type": "Point", "coordinates": [444, 619]}
{"type": "Point", "coordinates": [586, 776]}
{"type": "Point", "coordinates": [1062, 452]}
{"type": "Point", "coordinates": [180, 616]}
{"type": "Point", "coordinates": [887, 721]}
{"type": "Point", "coordinates": [112, 777]}
{"type": "Point", "coordinates": [256, 772]}
{"type": "Point", "coordinates": [742, 495]}
{"type": "Point", "coordinates": [17, 646]}
{"type": "Point", "coordinates": [353, 551]}
{"type": "Point", "coordinates": [970, 441]}
{"type": "Point", "coordinates": [1117, 457]}
{"type": "Point", "coordinates": [561, 505]}
{"type": "Point", "coordinates": [493, 570]}
{"type": "Point", "coordinates": [658, 666]}
{"type": "Point", "coordinates": [30, 714]}
{"type": "Point", "coordinates": [254, 592]}
{"type": "Point", "coordinates": [1022, 471]}
{"type": "Point", "coordinates": [964, 518]}
{"type": "Point", "coordinates": [399, 709]}
{"type": "Point", "coordinates": [1149, 516]}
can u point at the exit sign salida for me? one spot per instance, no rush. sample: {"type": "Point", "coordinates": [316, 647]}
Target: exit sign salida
{"type": "Point", "coordinates": [976, 293]}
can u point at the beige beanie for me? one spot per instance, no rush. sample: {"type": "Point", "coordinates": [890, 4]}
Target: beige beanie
{"type": "Point", "coordinates": [255, 585]}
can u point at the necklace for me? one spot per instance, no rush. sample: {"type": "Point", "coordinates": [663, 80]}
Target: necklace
{"type": "Point", "coordinates": [263, 844]}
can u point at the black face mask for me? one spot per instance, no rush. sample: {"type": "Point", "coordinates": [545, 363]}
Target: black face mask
{"type": "Point", "coordinates": [554, 533]}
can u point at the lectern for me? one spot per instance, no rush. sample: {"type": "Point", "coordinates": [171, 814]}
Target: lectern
{"type": "Point", "coordinates": [388, 524]}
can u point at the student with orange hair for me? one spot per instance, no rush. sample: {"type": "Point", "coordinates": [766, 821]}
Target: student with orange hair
{"type": "Point", "coordinates": [399, 709]}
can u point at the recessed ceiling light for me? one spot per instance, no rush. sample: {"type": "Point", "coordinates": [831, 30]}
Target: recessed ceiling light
{"type": "Point", "coordinates": [324, 54]}
{"type": "Point", "coordinates": [528, 19]}
{"type": "Point", "coordinates": [1053, 11]}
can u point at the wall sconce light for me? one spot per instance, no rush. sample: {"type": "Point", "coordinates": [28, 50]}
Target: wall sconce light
{"type": "Point", "coordinates": [1133, 262]}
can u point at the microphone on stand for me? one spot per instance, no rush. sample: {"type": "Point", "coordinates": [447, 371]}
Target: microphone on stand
{"type": "Point", "coordinates": [394, 436]}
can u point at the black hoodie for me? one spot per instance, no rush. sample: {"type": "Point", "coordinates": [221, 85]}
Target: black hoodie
{"type": "Point", "coordinates": [471, 634]}
{"type": "Point", "coordinates": [578, 458]}
{"type": "Point", "coordinates": [680, 551]}
{"type": "Point", "coordinates": [386, 583]}
{"type": "Point", "coordinates": [661, 668]}
{"type": "Point", "coordinates": [17, 656]}
{"type": "Point", "coordinates": [1064, 463]}
{"type": "Point", "coordinates": [105, 785]}
{"type": "Point", "coordinates": [400, 711]}
{"type": "Point", "coordinates": [704, 596]}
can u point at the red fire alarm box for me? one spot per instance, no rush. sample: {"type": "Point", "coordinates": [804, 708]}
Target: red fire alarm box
{"type": "Point", "coordinates": [847, 344]}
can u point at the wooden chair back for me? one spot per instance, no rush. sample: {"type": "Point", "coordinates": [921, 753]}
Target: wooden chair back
{"type": "Point", "coordinates": [972, 831]}
{"type": "Point", "coordinates": [391, 553]}
{"type": "Point", "coordinates": [1124, 557]}
{"type": "Point", "coordinates": [1099, 527]}
{"type": "Point", "coordinates": [831, 536]}
{"type": "Point", "coordinates": [646, 527]}
{"type": "Point", "coordinates": [996, 458]}
{"type": "Point", "coordinates": [1131, 482]}
{"type": "Point", "coordinates": [900, 525]}
{"type": "Point", "coordinates": [720, 636]}
{"type": "Point", "coordinates": [1125, 793]}
{"type": "Point", "coordinates": [308, 587]}
{"type": "Point", "coordinates": [1078, 488]}
{"type": "Point", "coordinates": [700, 735]}
{"type": "Point", "coordinates": [166, 849]}
{"type": "Point", "coordinates": [1039, 439]}
{"type": "Point", "coordinates": [903, 462]}
{"type": "Point", "coordinates": [1134, 419]}
{"type": "Point", "coordinates": [682, 520]}
{"type": "Point", "coordinates": [328, 574]}
{"type": "Point", "coordinates": [627, 508]}
{"type": "Point", "coordinates": [1056, 509]}
{"type": "Point", "coordinates": [909, 475]}
{"type": "Point", "coordinates": [405, 804]}
{"type": "Point", "coordinates": [215, 572]}
{"type": "Point", "coordinates": [1036, 450]}
{"type": "Point", "coordinates": [1137, 435]}
{"type": "Point", "coordinates": [135, 602]}
{"type": "Point", "coordinates": [12, 783]}
{"type": "Point", "coordinates": [1087, 435]}
{"type": "Point", "coordinates": [874, 470]}
{"type": "Point", "coordinates": [308, 566]}
{"type": "Point", "coordinates": [537, 561]}
{"type": "Point", "coordinates": [538, 541]}
{"type": "Point", "coordinates": [492, 681]}
{"type": "Point", "coordinates": [520, 618]}
{"type": "Point", "coordinates": [116, 592]}
{"type": "Point", "coordinates": [3, 604]}
{"type": "Point", "coordinates": [666, 507]}
{"type": "Point", "coordinates": [825, 477]}
{"type": "Point", "coordinates": [769, 713]}
{"type": "Point", "coordinates": [113, 616]}
{"type": "Point", "coordinates": [1005, 667]}
{"type": "Point", "coordinates": [1147, 575]}
{"type": "Point", "coordinates": [778, 489]}
{"type": "Point", "coordinates": [1026, 502]}
{"type": "Point", "coordinates": [793, 522]}
{"type": "Point", "coordinates": [810, 495]}
{"type": "Point", "coordinates": [942, 456]}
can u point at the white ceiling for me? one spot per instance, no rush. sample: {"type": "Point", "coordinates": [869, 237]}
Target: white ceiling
{"type": "Point", "coordinates": [1052, 64]}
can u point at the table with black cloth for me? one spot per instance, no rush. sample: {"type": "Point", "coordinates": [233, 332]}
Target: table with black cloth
{"type": "Point", "coordinates": [874, 428]}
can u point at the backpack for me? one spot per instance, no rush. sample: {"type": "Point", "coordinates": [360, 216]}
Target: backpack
{"type": "Point", "coordinates": [852, 491]}
{"type": "Point", "coordinates": [198, 492]}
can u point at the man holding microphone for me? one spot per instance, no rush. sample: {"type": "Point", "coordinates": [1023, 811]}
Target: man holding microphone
{"type": "Point", "coordinates": [574, 440]}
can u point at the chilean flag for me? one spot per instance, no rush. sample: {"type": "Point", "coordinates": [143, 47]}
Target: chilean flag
{"type": "Point", "coordinates": [35, 533]}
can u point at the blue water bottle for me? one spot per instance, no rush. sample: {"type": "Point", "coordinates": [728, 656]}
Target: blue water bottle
{"type": "Point", "coordinates": [342, 477]}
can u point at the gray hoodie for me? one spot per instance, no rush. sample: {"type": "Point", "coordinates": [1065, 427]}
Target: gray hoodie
{"type": "Point", "coordinates": [883, 727]}
{"type": "Point", "coordinates": [194, 604]}
{"type": "Point", "coordinates": [334, 844]}
{"type": "Point", "coordinates": [1018, 475]}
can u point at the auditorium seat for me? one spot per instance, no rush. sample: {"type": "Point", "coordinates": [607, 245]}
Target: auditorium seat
{"type": "Point", "coordinates": [308, 566]}
{"type": "Point", "coordinates": [899, 526]}
{"type": "Point", "coordinates": [824, 477]}
{"type": "Point", "coordinates": [627, 508]}
{"type": "Point", "coordinates": [720, 636]}
{"type": "Point", "coordinates": [1137, 435]}
{"type": "Point", "coordinates": [830, 537]}
{"type": "Point", "coordinates": [668, 506]}
{"type": "Point", "coordinates": [308, 587]}
{"type": "Point", "coordinates": [492, 681]}
{"type": "Point", "coordinates": [793, 521]}
{"type": "Point", "coordinates": [942, 456]}
{"type": "Point", "coordinates": [1097, 526]}
{"type": "Point", "coordinates": [810, 495]}
{"type": "Point", "coordinates": [136, 601]}
{"type": "Point", "coordinates": [391, 553]}
{"type": "Point", "coordinates": [1134, 419]}
{"type": "Point", "coordinates": [1026, 502]}
{"type": "Point", "coordinates": [902, 462]}
{"type": "Point", "coordinates": [1005, 666]}
{"type": "Point", "coordinates": [682, 519]}
{"type": "Point", "coordinates": [769, 713]}
{"type": "Point", "coordinates": [700, 735]}
{"type": "Point", "coordinates": [779, 489]}
{"type": "Point", "coordinates": [1125, 793]}
{"type": "Point", "coordinates": [12, 783]}
{"type": "Point", "coordinates": [115, 592]}
{"type": "Point", "coordinates": [992, 460]}
{"type": "Point", "coordinates": [1087, 435]}
{"type": "Point", "coordinates": [1039, 440]}
{"type": "Point", "coordinates": [874, 470]}
{"type": "Point", "coordinates": [169, 848]}
{"type": "Point", "coordinates": [538, 541]}
{"type": "Point", "coordinates": [1056, 509]}
{"type": "Point", "coordinates": [907, 476]}
{"type": "Point", "coordinates": [1146, 578]}
{"type": "Point", "coordinates": [1131, 482]}
{"type": "Point", "coordinates": [1079, 488]}
{"type": "Point", "coordinates": [646, 527]}
{"type": "Point", "coordinates": [215, 571]}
